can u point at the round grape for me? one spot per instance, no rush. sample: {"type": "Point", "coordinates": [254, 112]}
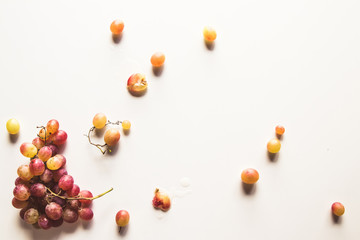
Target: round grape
{"type": "Point", "coordinates": [45, 153]}
{"type": "Point", "coordinates": [157, 59]}
{"type": "Point", "coordinates": [19, 204]}
{"type": "Point", "coordinates": [250, 176]}
{"type": "Point", "coordinates": [38, 143]}
{"type": "Point", "coordinates": [18, 180]}
{"type": "Point", "coordinates": [38, 190]}
{"type": "Point", "coordinates": [66, 182]}
{"type": "Point", "coordinates": [44, 222]}
{"type": "Point", "coordinates": [274, 145]}
{"type": "Point", "coordinates": [37, 167]}
{"type": "Point", "coordinates": [112, 137]}
{"type": "Point", "coordinates": [86, 214]}
{"type": "Point", "coordinates": [61, 159]}
{"type": "Point", "coordinates": [13, 126]}
{"type": "Point", "coordinates": [59, 138]}
{"type": "Point", "coordinates": [209, 34]}
{"type": "Point", "coordinates": [47, 176]}
{"type": "Point", "coordinates": [54, 149]}
{"type": "Point", "coordinates": [31, 216]}
{"type": "Point", "coordinates": [70, 215]}
{"type": "Point", "coordinates": [52, 126]}
{"type": "Point", "coordinates": [122, 218]}
{"type": "Point", "coordinates": [59, 173]}
{"type": "Point", "coordinates": [74, 191]}
{"type": "Point", "coordinates": [126, 125]}
{"type": "Point", "coordinates": [28, 150]}
{"type": "Point", "coordinates": [117, 26]}
{"type": "Point", "coordinates": [99, 120]}
{"type": "Point", "coordinates": [337, 209]}
{"type": "Point", "coordinates": [24, 172]}
{"type": "Point", "coordinates": [73, 204]}
{"type": "Point", "coordinates": [85, 194]}
{"type": "Point", "coordinates": [44, 134]}
{"type": "Point", "coordinates": [53, 211]}
{"type": "Point", "coordinates": [54, 163]}
{"type": "Point", "coordinates": [279, 130]}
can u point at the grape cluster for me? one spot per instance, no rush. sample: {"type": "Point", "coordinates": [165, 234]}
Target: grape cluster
{"type": "Point", "coordinates": [45, 193]}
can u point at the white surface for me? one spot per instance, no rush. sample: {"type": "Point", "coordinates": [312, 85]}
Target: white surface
{"type": "Point", "coordinates": [207, 117]}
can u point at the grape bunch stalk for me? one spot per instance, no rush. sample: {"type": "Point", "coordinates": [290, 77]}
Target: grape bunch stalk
{"type": "Point", "coordinates": [45, 193]}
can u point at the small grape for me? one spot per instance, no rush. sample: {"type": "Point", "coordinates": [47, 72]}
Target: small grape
{"type": "Point", "coordinates": [44, 222]}
{"type": "Point", "coordinates": [250, 176]}
{"type": "Point", "coordinates": [122, 218]}
{"type": "Point", "coordinates": [24, 172]}
{"type": "Point", "coordinates": [99, 120]}
{"type": "Point", "coordinates": [59, 173]}
{"type": "Point", "coordinates": [45, 153]}
{"type": "Point", "coordinates": [117, 26]}
{"type": "Point", "coordinates": [112, 137]}
{"type": "Point", "coordinates": [59, 138]}
{"type": "Point", "coordinates": [28, 150]}
{"type": "Point", "coordinates": [274, 145]}
{"type": "Point", "coordinates": [38, 190]}
{"type": "Point", "coordinates": [74, 191]}
{"type": "Point", "coordinates": [85, 194]}
{"type": "Point", "coordinates": [53, 211]}
{"type": "Point", "coordinates": [86, 214]}
{"type": "Point", "coordinates": [37, 167]}
{"type": "Point", "coordinates": [52, 126]}
{"type": "Point", "coordinates": [279, 130]}
{"type": "Point", "coordinates": [31, 216]}
{"type": "Point", "coordinates": [66, 182]}
{"type": "Point", "coordinates": [54, 163]}
{"type": "Point", "coordinates": [157, 59]}
{"type": "Point", "coordinates": [209, 34]}
{"type": "Point", "coordinates": [47, 176]}
{"type": "Point", "coordinates": [70, 215]}
{"type": "Point", "coordinates": [19, 204]}
{"type": "Point", "coordinates": [44, 134]}
{"type": "Point", "coordinates": [13, 126]}
{"type": "Point", "coordinates": [126, 125]}
{"type": "Point", "coordinates": [337, 209]}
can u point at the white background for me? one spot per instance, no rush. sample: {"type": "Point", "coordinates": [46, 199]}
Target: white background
{"type": "Point", "coordinates": [207, 117]}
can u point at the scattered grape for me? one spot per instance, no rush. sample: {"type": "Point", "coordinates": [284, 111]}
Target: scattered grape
{"type": "Point", "coordinates": [117, 26]}
{"type": "Point", "coordinates": [126, 125]}
{"type": "Point", "coordinates": [279, 130]}
{"type": "Point", "coordinates": [209, 34]}
{"type": "Point", "coordinates": [28, 150]}
{"type": "Point", "coordinates": [250, 176]}
{"type": "Point", "coordinates": [337, 209]}
{"type": "Point", "coordinates": [122, 218]}
{"type": "Point", "coordinates": [99, 120]}
{"type": "Point", "coordinates": [161, 201]}
{"type": "Point", "coordinates": [111, 137]}
{"type": "Point", "coordinates": [157, 59]}
{"type": "Point", "coordinates": [13, 126]}
{"type": "Point", "coordinates": [137, 83]}
{"type": "Point", "coordinates": [274, 145]}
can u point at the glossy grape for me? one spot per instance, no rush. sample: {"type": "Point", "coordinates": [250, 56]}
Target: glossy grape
{"type": "Point", "coordinates": [59, 138]}
{"type": "Point", "coordinates": [53, 211]}
{"type": "Point", "coordinates": [54, 149]}
{"type": "Point", "coordinates": [157, 59]}
{"type": "Point", "coordinates": [86, 214]}
{"type": "Point", "coordinates": [54, 163]}
{"type": "Point", "coordinates": [31, 216]}
{"type": "Point", "coordinates": [24, 172]}
{"type": "Point", "coordinates": [18, 180]}
{"type": "Point", "coordinates": [44, 222]}
{"type": "Point", "coordinates": [52, 126]}
{"type": "Point", "coordinates": [279, 130]}
{"type": "Point", "coordinates": [13, 126]}
{"type": "Point", "coordinates": [338, 209]}
{"type": "Point", "coordinates": [38, 190]}
{"type": "Point", "coordinates": [59, 173]}
{"type": "Point", "coordinates": [99, 120]}
{"type": "Point", "coordinates": [74, 191]}
{"type": "Point", "coordinates": [209, 34]}
{"type": "Point", "coordinates": [117, 26]}
{"type": "Point", "coordinates": [61, 159]}
{"type": "Point", "coordinates": [73, 204]}
{"type": "Point", "coordinates": [274, 145]}
{"type": "Point", "coordinates": [28, 150]}
{"type": "Point", "coordinates": [66, 182]}
{"type": "Point", "coordinates": [126, 125]}
{"type": "Point", "coordinates": [37, 167]}
{"type": "Point", "coordinates": [111, 137]}
{"type": "Point", "coordinates": [38, 143]}
{"type": "Point", "coordinates": [45, 153]}
{"type": "Point", "coordinates": [85, 194]}
{"type": "Point", "coordinates": [250, 176]}
{"type": "Point", "coordinates": [70, 215]}
{"type": "Point", "coordinates": [122, 218]}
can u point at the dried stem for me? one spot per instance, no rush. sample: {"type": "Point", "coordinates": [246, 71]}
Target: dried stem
{"type": "Point", "coordinates": [42, 127]}
{"type": "Point", "coordinates": [77, 197]}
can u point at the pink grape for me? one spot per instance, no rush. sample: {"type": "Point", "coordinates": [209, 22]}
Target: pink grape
{"type": "Point", "coordinates": [53, 211]}
{"type": "Point", "coordinates": [85, 194]}
{"type": "Point", "coordinates": [59, 138]}
{"type": "Point", "coordinates": [59, 173]}
{"type": "Point", "coordinates": [54, 149]}
{"type": "Point", "coordinates": [19, 204]}
{"type": "Point", "coordinates": [24, 172]}
{"type": "Point", "coordinates": [54, 163]}
{"type": "Point", "coordinates": [44, 222]}
{"type": "Point", "coordinates": [38, 190]}
{"type": "Point", "coordinates": [45, 153]}
{"type": "Point", "coordinates": [74, 191]}
{"type": "Point", "coordinates": [31, 216]}
{"type": "Point", "coordinates": [86, 214]}
{"type": "Point", "coordinates": [52, 126]}
{"type": "Point", "coordinates": [38, 143]}
{"type": "Point", "coordinates": [47, 176]}
{"type": "Point", "coordinates": [21, 192]}
{"type": "Point", "coordinates": [28, 150]}
{"type": "Point", "coordinates": [66, 182]}
{"type": "Point", "coordinates": [37, 167]}
{"type": "Point", "coordinates": [73, 204]}
{"type": "Point", "coordinates": [61, 159]}
{"type": "Point", "coordinates": [70, 215]}
{"type": "Point", "coordinates": [122, 218]}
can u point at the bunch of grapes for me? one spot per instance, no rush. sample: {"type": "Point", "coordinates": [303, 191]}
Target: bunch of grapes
{"type": "Point", "coordinates": [44, 191]}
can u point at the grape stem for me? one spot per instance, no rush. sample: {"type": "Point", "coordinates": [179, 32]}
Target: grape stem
{"type": "Point", "coordinates": [77, 197]}
{"type": "Point", "coordinates": [101, 146]}
{"type": "Point", "coordinates": [42, 127]}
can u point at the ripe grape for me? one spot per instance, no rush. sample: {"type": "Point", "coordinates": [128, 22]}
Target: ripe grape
{"type": "Point", "coordinates": [28, 150]}
{"type": "Point", "coordinates": [279, 130]}
{"type": "Point", "coordinates": [59, 138]}
{"type": "Point", "coordinates": [209, 34]}
{"type": "Point", "coordinates": [250, 176]}
{"type": "Point", "coordinates": [99, 120]}
{"type": "Point", "coordinates": [38, 143]}
{"type": "Point", "coordinates": [66, 182]}
{"type": "Point", "coordinates": [45, 153]}
{"type": "Point", "coordinates": [74, 191]}
{"type": "Point", "coordinates": [157, 59]}
{"type": "Point", "coordinates": [38, 190]}
{"type": "Point", "coordinates": [337, 209]}
{"type": "Point", "coordinates": [274, 145]}
{"type": "Point", "coordinates": [86, 214]}
{"type": "Point", "coordinates": [19, 204]}
{"type": "Point", "coordinates": [37, 167]}
{"type": "Point", "coordinates": [61, 159]}
{"type": "Point", "coordinates": [126, 125]}
{"type": "Point", "coordinates": [112, 137]}
{"type": "Point", "coordinates": [59, 173]}
{"type": "Point", "coordinates": [122, 218]}
{"type": "Point", "coordinates": [53, 211]}
{"type": "Point", "coordinates": [52, 126]}
{"type": "Point", "coordinates": [117, 26]}
{"type": "Point", "coordinates": [13, 126]}
{"type": "Point", "coordinates": [24, 172]}
{"type": "Point", "coordinates": [44, 134]}
{"type": "Point", "coordinates": [47, 176]}
{"type": "Point", "coordinates": [31, 216]}
{"type": "Point", "coordinates": [54, 163]}
{"type": "Point", "coordinates": [73, 204]}
{"type": "Point", "coordinates": [44, 222]}
{"type": "Point", "coordinates": [54, 149]}
{"type": "Point", "coordinates": [70, 215]}
{"type": "Point", "coordinates": [85, 194]}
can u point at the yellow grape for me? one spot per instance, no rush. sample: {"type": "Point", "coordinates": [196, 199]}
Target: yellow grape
{"type": "Point", "coordinates": [99, 120]}
{"type": "Point", "coordinates": [13, 126]}
{"type": "Point", "coordinates": [126, 124]}
{"type": "Point", "coordinates": [54, 163]}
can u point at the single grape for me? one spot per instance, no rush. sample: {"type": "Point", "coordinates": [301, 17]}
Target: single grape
{"type": "Point", "coordinates": [70, 215]}
{"type": "Point", "coordinates": [279, 130]}
{"type": "Point", "coordinates": [209, 34]}
{"type": "Point", "coordinates": [54, 163]}
{"type": "Point", "coordinates": [47, 176]}
{"type": "Point", "coordinates": [38, 143]}
{"type": "Point", "coordinates": [249, 176]}
{"type": "Point", "coordinates": [24, 172]}
{"type": "Point", "coordinates": [122, 218]}
{"type": "Point", "coordinates": [73, 204]}
{"type": "Point", "coordinates": [117, 26]}
{"type": "Point", "coordinates": [59, 138]}
{"type": "Point", "coordinates": [126, 125]}
{"type": "Point", "coordinates": [66, 182]}
{"type": "Point", "coordinates": [44, 222]}
{"type": "Point", "coordinates": [157, 59]}
{"type": "Point", "coordinates": [86, 214]}
{"type": "Point", "coordinates": [54, 149]}
{"type": "Point", "coordinates": [85, 194]}
{"type": "Point", "coordinates": [19, 204]}
{"type": "Point", "coordinates": [44, 134]}
{"type": "Point", "coordinates": [53, 211]}
{"type": "Point", "coordinates": [112, 137]}
{"type": "Point", "coordinates": [38, 190]}
{"type": "Point", "coordinates": [31, 216]}
{"type": "Point", "coordinates": [99, 120]}
{"type": "Point", "coordinates": [61, 159]}
{"type": "Point", "coordinates": [45, 153]}
{"type": "Point", "coordinates": [28, 150]}
{"type": "Point", "coordinates": [337, 209]}
{"type": "Point", "coordinates": [52, 126]}
{"type": "Point", "coordinates": [59, 173]}
{"type": "Point", "coordinates": [274, 145]}
{"type": "Point", "coordinates": [74, 191]}
{"type": "Point", "coordinates": [13, 126]}
{"type": "Point", "coordinates": [137, 83]}
{"type": "Point", "coordinates": [37, 167]}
